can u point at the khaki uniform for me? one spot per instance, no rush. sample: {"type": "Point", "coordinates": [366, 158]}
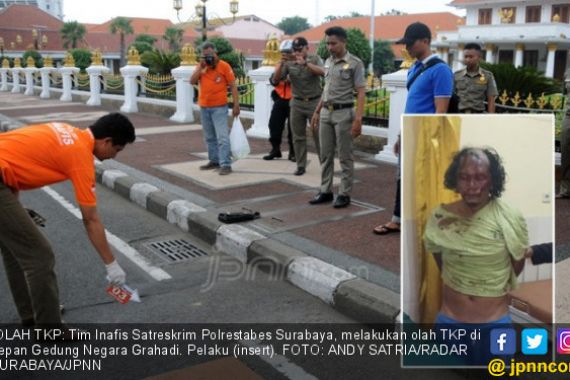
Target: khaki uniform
{"type": "Point", "coordinates": [473, 89]}
{"type": "Point", "coordinates": [306, 91]}
{"type": "Point", "coordinates": [565, 146]}
{"type": "Point", "coordinates": [342, 77]}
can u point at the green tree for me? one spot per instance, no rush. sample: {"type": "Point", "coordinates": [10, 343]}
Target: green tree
{"type": "Point", "coordinates": [356, 43]}
{"type": "Point", "coordinates": [159, 61]}
{"type": "Point", "coordinates": [382, 58]}
{"type": "Point", "coordinates": [82, 58]}
{"type": "Point", "coordinates": [293, 25]}
{"type": "Point", "coordinates": [143, 43]}
{"type": "Point", "coordinates": [174, 38]}
{"type": "Point", "coordinates": [330, 18]}
{"type": "Point", "coordinates": [121, 25]}
{"type": "Point", "coordinates": [71, 33]}
{"type": "Point", "coordinates": [525, 80]}
{"type": "Point", "coordinates": [38, 60]}
{"type": "Point", "coordinates": [227, 53]}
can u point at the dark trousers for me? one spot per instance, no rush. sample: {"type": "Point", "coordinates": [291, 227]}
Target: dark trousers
{"type": "Point", "coordinates": [29, 263]}
{"type": "Point", "coordinates": [280, 114]}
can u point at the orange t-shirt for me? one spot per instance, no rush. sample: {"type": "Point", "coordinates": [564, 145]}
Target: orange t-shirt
{"type": "Point", "coordinates": [214, 85]}
{"type": "Point", "coordinates": [43, 154]}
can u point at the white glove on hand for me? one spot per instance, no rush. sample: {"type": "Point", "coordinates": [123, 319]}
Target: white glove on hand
{"type": "Point", "coordinates": [115, 274]}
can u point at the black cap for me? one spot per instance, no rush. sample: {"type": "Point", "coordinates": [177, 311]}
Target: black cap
{"type": "Point", "coordinates": [300, 42]}
{"type": "Point", "coordinates": [414, 32]}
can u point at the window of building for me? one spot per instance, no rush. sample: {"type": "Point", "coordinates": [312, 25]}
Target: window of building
{"type": "Point", "coordinates": [530, 58]}
{"type": "Point", "coordinates": [485, 16]}
{"type": "Point", "coordinates": [506, 56]}
{"type": "Point", "coordinates": [533, 13]}
{"type": "Point", "coordinates": [508, 15]}
{"type": "Point", "coordinates": [562, 11]}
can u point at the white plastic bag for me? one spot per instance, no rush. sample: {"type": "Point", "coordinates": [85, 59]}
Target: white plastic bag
{"type": "Point", "coordinates": [238, 140]}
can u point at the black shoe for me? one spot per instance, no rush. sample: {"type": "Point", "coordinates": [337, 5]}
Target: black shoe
{"type": "Point", "coordinates": [341, 201]}
{"type": "Point", "coordinates": [272, 155]}
{"type": "Point", "coordinates": [299, 171]}
{"type": "Point", "coordinates": [321, 198]}
{"type": "Point", "coordinates": [210, 166]}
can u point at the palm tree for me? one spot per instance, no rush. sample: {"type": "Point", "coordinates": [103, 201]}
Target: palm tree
{"type": "Point", "coordinates": [174, 38]}
{"type": "Point", "coordinates": [71, 33]}
{"type": "Point", "coordinates": [121, 25]}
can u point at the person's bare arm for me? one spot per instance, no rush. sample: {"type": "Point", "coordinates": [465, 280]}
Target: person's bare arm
{"type": "Point", "coordinates": [357, 122]}
{"type": "Point", "coordinates": [518, 265]}
{"type": "Point", "coordinates": [317, 115]}
{"type": "Point", "coordinates": [490, 104]}
{"type": "Point", "coordinates": [441, 105]}
{"type": "Point", "coordinates": [200, 68]}
{"type": "Point", "coordinates": [96, 233]}
{"type": "Point", "coordinates": [235, 97]}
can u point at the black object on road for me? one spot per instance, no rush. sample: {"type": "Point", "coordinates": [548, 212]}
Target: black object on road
{"type": "Point", "coordinates": [236, 217]}
{"type": "Point", "coordinates": [37, 218]}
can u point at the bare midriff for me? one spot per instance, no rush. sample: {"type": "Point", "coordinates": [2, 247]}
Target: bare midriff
{"type": "Point", "coordinates": [472, 309]}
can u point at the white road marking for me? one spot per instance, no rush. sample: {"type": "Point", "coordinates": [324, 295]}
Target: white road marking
{"type": "Point", "coordinates": [281, 363]}
{"type": "Point", "coordinates": [132, 254]}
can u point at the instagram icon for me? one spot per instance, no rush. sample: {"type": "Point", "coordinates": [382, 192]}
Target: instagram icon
{"type": "Point", "coordinates": [563, 341]}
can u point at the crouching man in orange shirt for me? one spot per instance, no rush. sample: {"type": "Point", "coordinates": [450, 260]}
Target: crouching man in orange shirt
{"type": "Point", "coordinates": [40, 155]}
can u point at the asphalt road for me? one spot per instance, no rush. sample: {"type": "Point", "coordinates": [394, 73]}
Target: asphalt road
{"type": "Point", "coordinates": [214, 288]}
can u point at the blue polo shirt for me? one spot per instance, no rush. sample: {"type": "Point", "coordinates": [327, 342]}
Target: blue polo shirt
{"type": "Point", "coordinates": [435, 82]}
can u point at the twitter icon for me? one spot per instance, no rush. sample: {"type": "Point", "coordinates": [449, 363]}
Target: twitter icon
{"type": "Point", "coordinates": [534, 342]}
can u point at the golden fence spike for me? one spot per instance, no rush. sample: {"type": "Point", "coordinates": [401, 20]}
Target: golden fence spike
{"type": "Point", "coordinates": [504, 98]}
{"type": "Point", "coordinates": [529, 101]}
{"type": "Point", "coordinates": [516, 100]}
{"type": "Point", "coordinates": [541, 102]}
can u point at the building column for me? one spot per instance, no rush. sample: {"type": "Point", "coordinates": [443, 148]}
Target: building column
{"type": "Point", "coordinates": [490, 48]}
{"type": "Point", "coordinates": [4, 79]}
{"type": "Point", "coordinates": [458, 64]}
{"type": "Point", "coordinates": [29, 72]}
{"type": "Point", "coordinates": [66, 73]}
{"type": "Point", "coordinates": [130, 74]}
{"type": "Point", "coordinates": [45, 73]}
{"type": "Point", "coordinates": [262, 101]}
{"type": "Point", "coordinates": [184, 94]}
{"type": "Point", "coordinates": [549, 73]}
{"type": "Point", "coordinates": [95, 71]}
{"type": "Point", "coordinates": [395, 84]}
{"type": "Point", "coordinates": [445, 54]}
{"type": "Point", "coordinates": [16, 79]}
{"type": "Point", "coordinates": [519, 55]}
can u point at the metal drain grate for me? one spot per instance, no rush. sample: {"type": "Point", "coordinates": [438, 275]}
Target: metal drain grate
{"type": "Point", "coordinates": [175, 250]}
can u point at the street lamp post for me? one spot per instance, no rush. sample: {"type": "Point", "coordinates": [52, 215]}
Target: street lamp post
{"type": "Point", "coordinates": [202, 14]}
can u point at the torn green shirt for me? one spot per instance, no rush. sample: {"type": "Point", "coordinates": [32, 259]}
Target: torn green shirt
{"type": "Point", "coordinates": [476, 252]}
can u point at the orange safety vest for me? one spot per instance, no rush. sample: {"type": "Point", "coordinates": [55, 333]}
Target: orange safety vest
{"type": "Point", "coordinates": [283, 89]}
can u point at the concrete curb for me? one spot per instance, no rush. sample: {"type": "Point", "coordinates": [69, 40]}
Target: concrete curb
{"type": "Point", "coordinates": [351, 295]}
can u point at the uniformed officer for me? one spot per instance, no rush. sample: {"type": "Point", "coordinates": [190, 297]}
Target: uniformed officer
{"type": "Point", "coordinates": [305, 73]}
{"type": "Point", "coordinates": [339, 122]}
{"type": "Point", "coordinates": [564, 191]}
{"type": "Point", "coordinates": [281, 96]}
{"type": "Point", "coordinates": [473, 84]}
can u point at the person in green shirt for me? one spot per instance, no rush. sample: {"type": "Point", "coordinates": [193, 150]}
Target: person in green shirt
{"type": "Point", "coordinates": [478, 242]}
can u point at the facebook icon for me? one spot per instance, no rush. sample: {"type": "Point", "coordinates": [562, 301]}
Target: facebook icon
{"type": "Point", "coordinates": [503, 341]}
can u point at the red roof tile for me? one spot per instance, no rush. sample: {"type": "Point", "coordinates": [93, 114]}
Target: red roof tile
{"type": "Point", "coordinates": [26, 16]}
{"type": "Point", "coordinates": [387, 27]}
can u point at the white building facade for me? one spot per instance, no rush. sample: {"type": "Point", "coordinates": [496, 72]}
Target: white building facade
{"type": "Point", "coordinates": [532, 33]}
{"type": "Point", "coordinates": [53, 7]}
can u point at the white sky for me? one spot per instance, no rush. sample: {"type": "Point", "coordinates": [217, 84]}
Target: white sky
{"type": "Point", "coordinates": [99, 11]}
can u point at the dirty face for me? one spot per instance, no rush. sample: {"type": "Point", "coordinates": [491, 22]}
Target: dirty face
{"type": "Point", "coordinates": [474, 180]}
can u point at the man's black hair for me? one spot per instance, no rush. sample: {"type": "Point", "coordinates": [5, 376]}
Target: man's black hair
{"type": "Point", "coordinates": [473, 46]}
{"type": "Point", "coordinates": [208, 45]}
{"type": "Point", "coordinates": [496, 169]}
{"type": "Point", "coordinates": [338, 31]}
{"type": "Point", "coordinates": [114, 125]}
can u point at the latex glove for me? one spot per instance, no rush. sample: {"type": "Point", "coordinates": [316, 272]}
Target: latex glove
{"type": "Point", "coordinates": [115, 274]}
